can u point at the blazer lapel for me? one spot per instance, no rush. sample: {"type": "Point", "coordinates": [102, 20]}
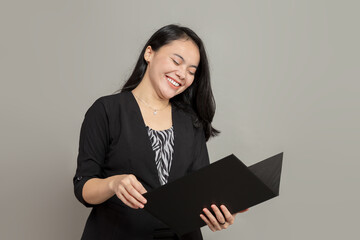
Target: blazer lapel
{"type": "Point", "coordinates": [182, 144]}
{"type": "Point", "coordinates": [143, 155]}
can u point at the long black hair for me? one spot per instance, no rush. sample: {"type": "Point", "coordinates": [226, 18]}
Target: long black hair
{"type": "Point", "coordinates": [197, 99]}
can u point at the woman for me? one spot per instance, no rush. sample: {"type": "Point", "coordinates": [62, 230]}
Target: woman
{"type": "Point", "coordinates": [150, 133]}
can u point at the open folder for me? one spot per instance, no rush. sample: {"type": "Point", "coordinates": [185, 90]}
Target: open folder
{"type": "Point", "coordinates": [227, 181]}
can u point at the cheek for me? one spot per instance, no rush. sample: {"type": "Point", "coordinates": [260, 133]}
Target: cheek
{"type": "Point", "coordinates": [163, 65]}
{"type": "Point", "coordinates": [189, 82]}
{"type": "Point", "coordinates": [156, 71]}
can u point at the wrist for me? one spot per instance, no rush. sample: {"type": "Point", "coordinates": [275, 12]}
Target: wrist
{"type": "Point", "coordinates": [110, 184]}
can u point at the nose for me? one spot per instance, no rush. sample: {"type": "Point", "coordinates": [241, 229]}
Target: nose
{"type": "Point", "coordinates": [180, 73]}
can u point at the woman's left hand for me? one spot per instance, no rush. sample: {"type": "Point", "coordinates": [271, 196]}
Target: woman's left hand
{"type": "Point", "coordinates": [219, 221]}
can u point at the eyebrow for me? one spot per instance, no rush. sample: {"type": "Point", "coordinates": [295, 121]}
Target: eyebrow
{"type": "Point", "coordinates": [184, 60]}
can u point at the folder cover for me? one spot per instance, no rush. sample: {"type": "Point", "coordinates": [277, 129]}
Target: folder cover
{"type": "Point", "coordinates": [228, 181]}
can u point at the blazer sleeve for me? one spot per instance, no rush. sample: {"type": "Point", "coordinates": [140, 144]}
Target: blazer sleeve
{"type": "Point", "coordinates": [93, 145]}
{"type": "Point", "coordinates": [201, 156]}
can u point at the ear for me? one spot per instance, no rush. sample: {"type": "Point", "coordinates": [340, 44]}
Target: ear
{"type": "Point", "coordinates": [148, 54]}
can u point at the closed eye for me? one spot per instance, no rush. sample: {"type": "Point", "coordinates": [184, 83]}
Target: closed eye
{"type": "Point", "coordinates": [175, 62]}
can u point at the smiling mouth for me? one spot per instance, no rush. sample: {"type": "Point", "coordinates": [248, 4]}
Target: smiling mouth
{"type": "Point", "coordinates": [173, 82]}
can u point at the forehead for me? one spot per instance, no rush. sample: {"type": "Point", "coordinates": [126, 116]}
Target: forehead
{"type": "Point", "coordinates": [185, 48]}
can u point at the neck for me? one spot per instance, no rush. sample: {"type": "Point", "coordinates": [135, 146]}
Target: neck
{"type": "Point", "coordinates": [146, 92]}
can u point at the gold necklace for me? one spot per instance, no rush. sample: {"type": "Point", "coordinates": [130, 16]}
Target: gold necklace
{"type": "Point", "coordinates": [154, 110]}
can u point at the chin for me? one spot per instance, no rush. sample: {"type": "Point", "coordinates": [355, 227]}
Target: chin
{"type": "Point", "coordinates": [169, 94]}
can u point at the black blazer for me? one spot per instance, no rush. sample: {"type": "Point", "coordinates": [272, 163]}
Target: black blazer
{"type": "Point", "coordinates": [114, 140]}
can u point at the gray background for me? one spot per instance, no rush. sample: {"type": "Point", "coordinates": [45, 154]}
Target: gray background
{"type": "Point", "coordinates": [285, 75]}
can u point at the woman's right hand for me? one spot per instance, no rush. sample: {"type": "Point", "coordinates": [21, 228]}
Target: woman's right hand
{"type": "Point", "coordinates": [129, 190]}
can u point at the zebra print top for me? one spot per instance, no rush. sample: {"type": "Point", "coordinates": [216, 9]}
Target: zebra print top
{"type": "Point", "coordinates": [162, 143]}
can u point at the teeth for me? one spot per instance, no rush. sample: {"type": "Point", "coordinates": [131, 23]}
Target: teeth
{"type": "Point", "coordinates": [173, 82]}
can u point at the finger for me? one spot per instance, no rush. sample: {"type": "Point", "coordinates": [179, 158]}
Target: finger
{"type": "Point", "coordinates": [228, 216]}
{"type": "Point", "coordinates": [208, 222]}
{"type": "Point", "coordinates": [123, 199]}
{"type": "Point", "coordinates": [121, 196]}
{"type": "Point", "coordinates": [212, 219]}
{"type": "Point", "coordinates": [130, 198]}
{"type": "Point", "coordinates": [220, 217]}
{"type": "Point", "coordinates": [139, 187]}
{"type": "Point", "coordinates": [134, 193]}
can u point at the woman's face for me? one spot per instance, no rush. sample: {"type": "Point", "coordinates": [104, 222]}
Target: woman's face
{"type": "Point", "coordinates": [172, 68]}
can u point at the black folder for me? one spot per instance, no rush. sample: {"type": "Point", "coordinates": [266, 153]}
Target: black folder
{"type": "Point", "coordinates": [228, 181]}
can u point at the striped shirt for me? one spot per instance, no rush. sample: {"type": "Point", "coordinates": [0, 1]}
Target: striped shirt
{"type": "Point", "coordinates": [162, 143]}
